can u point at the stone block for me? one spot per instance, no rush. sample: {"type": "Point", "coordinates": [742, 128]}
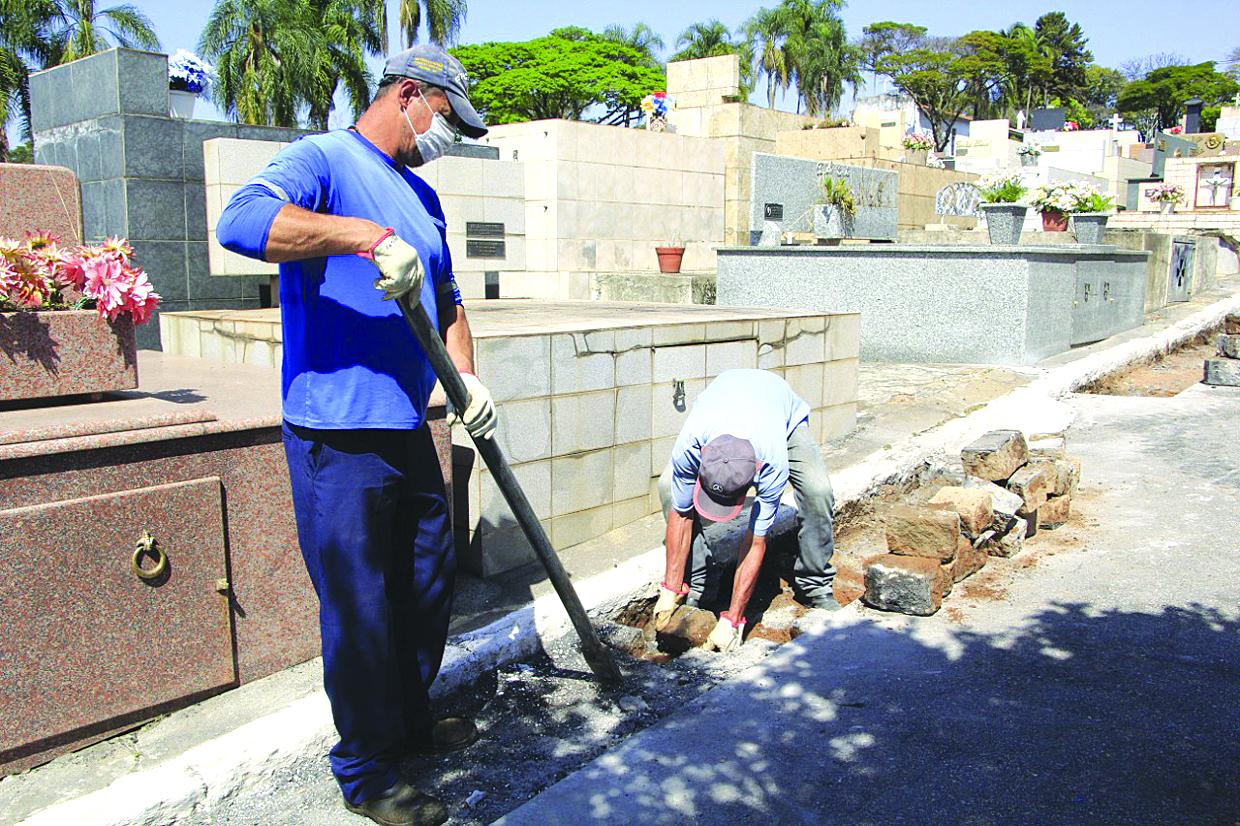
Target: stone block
{"type": "Point", "coordinates": [923, 532]}
{"type": "Point", "coordinates": [1048, 447]}
{"type": "Point", "coordinates": [730, 355]}
{"type": "Point", "coordinates": [1011, 541]}
{"type": "Point", "coordinates": [582, 482]}
{"type": "Point", "coordinates": [996, 455]}
{"type": "Point", "coordinates": [1033, 483]}
{"type": "Point", "coordinates": [575, 528]}
{"type": "Point", "coordinates": [582, 422]}
{"type": "Point", "coordinates": [692, 625]}
{"type": "Point", "coordinates": [972, 505]}
{"type": "Point", "coordinates": [153, 147]}
{"type": "Point", "coordinates": [1055, 512]}
{"type": "Point", "coordinates": [164, 263]}
{"type": "Point", "coordinates": [1074, 475]}
{"type": "Point", "coordinates": [493, 511]}
{"type": "Point", "coordinates": [1003, 503]}
{"type": "Point", "coordinates": [806, 381]}
{"type": "Point", "coordinates": [1231, 324]}
{"type": "Point", "coordinates": [679, 362]}
{"type": "Point", "coordinates": [1222, 372]}
{"type": "Point", "coordinates": [909, 585]}
{"type": "Point", "coordinates": [1229, 346]}
{"type": "Point", "coordinates": [669, 410]}
{"type": "Point", "coordinates": [1065, 474]}
{"type": "Point", "coordinates": [839, 381]}
{"type": "Point", "coordinates": [523, 429]}
{"type": "Point", "coordinates": [156, 209]}
{"type": "Point", "coordinates": [634, 356]}
{"type": "Point", "coordinates": [1031, 523]}
{"type": "Point", "coordinates": [582, 361]}
{"type": "Point", "coordinates": [630, 471]}
{"type": "Point", "coordinates": [515, 367]}
{"type": "Point", "coordinates": [969, 560]}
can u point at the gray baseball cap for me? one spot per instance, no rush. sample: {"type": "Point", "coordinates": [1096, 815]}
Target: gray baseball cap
{"type": "Point", "coordinates": [727, 469]}
{"type": "Point", "coordinates": [438, 68]}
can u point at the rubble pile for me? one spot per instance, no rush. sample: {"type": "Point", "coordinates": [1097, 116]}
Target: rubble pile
{"type": "Point", "coordinates": [1010, 490]}
{"type": "Point", "coordinates": [1225, 370]}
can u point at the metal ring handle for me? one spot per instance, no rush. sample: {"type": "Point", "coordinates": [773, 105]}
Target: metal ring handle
{"type": "Point", "coordinates": [148, 545]}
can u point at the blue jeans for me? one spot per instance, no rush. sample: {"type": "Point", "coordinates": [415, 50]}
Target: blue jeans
{"type": "Point", "coordinates": [813, 574]}
{"type": "Point", "coordinates": [372, 521]}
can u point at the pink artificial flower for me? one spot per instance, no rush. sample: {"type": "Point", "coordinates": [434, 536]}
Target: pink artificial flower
{"type": "Point", "coordinates": [141, 299]}
{"type": "Point", "coordinates": [105, 282]}
{"type": "Point", "coordinates": [117, 247]}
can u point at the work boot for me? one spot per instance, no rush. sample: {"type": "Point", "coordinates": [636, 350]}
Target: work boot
{"type": "Point", "coordinates": [448, 734]}
{"type": "Point", "coordinates": [402, 805]}
{"type": "Point", "coordinates": [823, 603]}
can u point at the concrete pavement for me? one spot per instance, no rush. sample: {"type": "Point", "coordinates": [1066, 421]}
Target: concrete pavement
{"type": "Point", "coordinates": [1102, 688]}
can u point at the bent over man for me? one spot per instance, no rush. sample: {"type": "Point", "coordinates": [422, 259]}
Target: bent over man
{"type": "Point", "coordinates": [372, 516]}
{"type": "Point", "coordinates": [747, 429]}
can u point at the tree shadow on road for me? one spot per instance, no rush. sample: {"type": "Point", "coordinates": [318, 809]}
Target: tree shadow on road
{"type": "Point", "coordinates": [1078, 716]}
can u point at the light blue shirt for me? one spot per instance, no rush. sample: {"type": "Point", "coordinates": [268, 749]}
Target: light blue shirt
{"type": "Point", "coordinates": [749, 404]}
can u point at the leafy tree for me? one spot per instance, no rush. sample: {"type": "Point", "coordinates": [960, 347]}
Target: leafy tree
{"type": "Point", "coordinates": [1163, 92]}
{"type": "Point", "coordinates": [937, 81]}
{"type": "Point", "coordinates": [878, 40]}
{"type": "Point", "coordinates": [766, 32]}
{"type": "Point", "coordinates": [77, 28]}
{"type": "Point", "coordinates": [349, 32]}
{"type": "Point", "coordinates": [22, 47]}
{"type": "Point", "coordinates": [640, 38]}
{"type": "Point", "coordinates": [822, 60]}
{"type": "Point", "coordinates": [709, 39]}
{"type": "Point", "coordinates": [1102, 88]}
{"type": "Point", "coordinates": [22, 153]}
{"type": "Point", "coordinates": [1063, 44]}
{"type": "Point", "coordinates": [443, 19]}
{"type": "Point", "coordinates": [566, 74]}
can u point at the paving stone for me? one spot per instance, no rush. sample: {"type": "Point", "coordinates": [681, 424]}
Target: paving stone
{"type": "Point", "coordinates": [1222, 372]}
{"type": "Point", "coordinates": [1003, 503]}
{"type": "Point", "coordinates": [1055, 512]}
{"type": "Point", "coordinates": [996, 455]}
{"type": "Point", "coordinates": [693, 625]}
{"type": "Point", "coordinates": [969, 560]}
{"type": "Point", "coordinates": [1048, 447]}
{"type": "Point", "coordinates": [909, 585]}
{"type": "Point", "coordinates": [1229, 346]}
{"type": "Point", "coordinates": [973, 506]}
{"type": "Point", "coordinates": [1033, 483]}
{"type": "Point", "coordinates": [1031, 523]}
{"type": "Point", "coordinates": [1231, 325]}
{"type": "Point", "coordinates": [1064, 474]}
{"type": "Point", "coordinates": [922, 531]}
{"type": "Point", "coordinates": [1011, 542]}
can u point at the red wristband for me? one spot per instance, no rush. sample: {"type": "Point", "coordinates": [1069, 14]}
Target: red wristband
{"type": "Point", "coordinates": [734, 623]}
{"type": "Point", "coordinates": [369, 254]}
{"type": "Point", "coordinates": [682, 590]}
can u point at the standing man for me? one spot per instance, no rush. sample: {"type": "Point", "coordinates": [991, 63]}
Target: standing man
{"type": "Point", "coordinates": [372, 516]}
{"type": "Point", "coordinates": [748, 428]}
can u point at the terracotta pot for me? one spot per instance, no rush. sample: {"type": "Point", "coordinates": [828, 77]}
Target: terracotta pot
{"type": "Point", "coordinates": [1054, 221]}
{"type": "Point", "coordinates": [64, 353]}
{"type": "Point", "coordinates": [669, 258]}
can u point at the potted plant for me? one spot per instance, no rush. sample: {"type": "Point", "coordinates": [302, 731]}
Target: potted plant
{"type": "Point", "coordinates": [833, 215]}
{"type": "Point", "coordinates": [1090, 211]}
{"type": "Point", "coordinates": [1054, 201]}
{"type": "Point", "coordinates": [1001, 194]}
{"type": "Point", "coordinates": [1166, 196]}
{"type": "Point", "coordinates": [67, 317]}
{"type": "Point", "coordinates": [188, 77]}
{"type": "Point", "coordinates": [1029, 154]}
{"type": "Point", "coordinates": [670, 257]}
{"type": "Point", "coordinates": [918, 146]}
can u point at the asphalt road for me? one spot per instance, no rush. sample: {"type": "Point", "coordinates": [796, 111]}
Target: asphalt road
{"type": "Point", "coordinates": [1096, 681]}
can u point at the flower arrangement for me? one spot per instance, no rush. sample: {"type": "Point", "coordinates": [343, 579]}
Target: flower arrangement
{"type": "Point", "coordinates": [1175, 130]}
{"type": "Point", "coordinates": [1001, 188]}
{"type": "Point", "coordinates": [187, 72]}
{"type": "Point", "coordinates": [1071, 126]}
{"type": "Point", "coordinates": [918, 142]}
{"type": "Point", "coordinates": [657, 104]}
{"type": "Point", "coordinates": [1166, 193]}
{"type": "Point", "coordinates": [1056, 197]}
{"type": "Point", "coordinates": [837, 193]}
{"type": "Point", "coordinates": [39, 274]}
{"type": "Point", "coordinates": [1091, 200]}
{"type": "Point", "coordinates": [1031, 150]}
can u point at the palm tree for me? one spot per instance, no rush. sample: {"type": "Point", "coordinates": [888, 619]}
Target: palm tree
{"type": "Point", "coordinates": [443, 20]}
{"type": "Point", "coordinates": [77, 28]}
{"type": "Point", "coordinates": [820, 56]}
{"type": "Point", "coordinates": [641, 37]}
{"type": "Point", "coordinates": [709, 39]}
{"type": "Point", "coordinates": [22, 47]}
{"type": "Point", "coordinates": [766, 32]}
{"type": "Point", "coordinates": [350, 31]}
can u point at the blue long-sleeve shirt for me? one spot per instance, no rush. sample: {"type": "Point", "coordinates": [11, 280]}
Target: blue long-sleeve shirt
{"type": "Point", "coordinates": [349, 359]}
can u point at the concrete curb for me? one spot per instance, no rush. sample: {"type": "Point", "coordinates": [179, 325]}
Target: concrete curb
{"type": "Point", "coordinates": [302, 732]}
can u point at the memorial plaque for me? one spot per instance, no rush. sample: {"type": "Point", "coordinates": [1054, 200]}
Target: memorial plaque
{"type": "Point", "coordinates": [475, 248]}
{"type": "Point", "coordinates": [482, 229]}
{"type": "Point", "coordinates": [794, 186]}
{"type": "Point", "coordinates": [773, 212]}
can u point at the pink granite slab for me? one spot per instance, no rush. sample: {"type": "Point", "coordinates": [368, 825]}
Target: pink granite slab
{"type": "Point", "coordinates": [64, 353]}
{"type": "Point", "coordinates": [85, 640]}
{"type": "Point", "coordinates": [37, 197]}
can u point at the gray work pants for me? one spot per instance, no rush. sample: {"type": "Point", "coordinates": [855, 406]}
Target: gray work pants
{"type": "Point", "coordinates": [813, 573]}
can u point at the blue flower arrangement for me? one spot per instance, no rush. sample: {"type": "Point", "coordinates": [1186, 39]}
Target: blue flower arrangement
{"type": "Point", "coordinates": [187, 72]}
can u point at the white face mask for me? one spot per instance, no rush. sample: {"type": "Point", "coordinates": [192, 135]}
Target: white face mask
{"type": "Point", "coordinates": [434, 142]}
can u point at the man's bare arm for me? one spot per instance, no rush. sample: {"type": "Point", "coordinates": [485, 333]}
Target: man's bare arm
{"type": "Point", "coordinates": [677, 540]}
{"type": "Point", "coordinates": [749, 563]}
{"type": "Point", "coordinates": [457, 338]}
{"type": "Point", "coordinates": [297, 234]}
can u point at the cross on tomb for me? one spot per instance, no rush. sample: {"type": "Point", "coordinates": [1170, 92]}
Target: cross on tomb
{"type": "Point", "coordinates": [1216, 182]}
{"type": "Point", "coordinates": [1116, 120]}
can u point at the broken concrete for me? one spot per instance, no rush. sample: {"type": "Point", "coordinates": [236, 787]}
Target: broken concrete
{"type": "Point", "coordinates": [1055, 512]}
{"type": "Point", "coordinates": [969, 560]}
{"type": "Point", "coordinates": [1222, 372]}
{"type": "Point", "coordinates": [1011, 542]}
{"type": "Point", "coordinates": [972, 506]}
{"type": "Point", "coordinates": [1032, 483]}
{"type": "Point", "coordinates": [1031, 523]}
{"type": "Point", "coordinates": [1048, 447]}
{"type": "Point", "coordinates": [1229, 346]}
{"type": "Point", "coordinates": [922, 532]}
{"type": "Point", "coordinates": [996, 455]}
{"type": "Point", "coordinates": [1065, 474]}
{"type": "Point", "coordinates": [907, 584]}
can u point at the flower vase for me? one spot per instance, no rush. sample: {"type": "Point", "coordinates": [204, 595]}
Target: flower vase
{"type": "Point", "coordinates": [1090, 227]}
{"type": "Point", "coordinates": [1028, 160]}
{"type": "Point", "coordinates": [831, 226]}
{"type": "Point", "coordinates": [1004, 222]}
{"type": "Point", "coordinates": [1054, 220]}
{"type": "Point", "coordinates": [917, 156]}
{"type": "Point", "coordinates": [1166, 207]}
{"type": "Point", "coordinates": [66, 353]}
{"type": "Point", "coordinates": [181, 103]}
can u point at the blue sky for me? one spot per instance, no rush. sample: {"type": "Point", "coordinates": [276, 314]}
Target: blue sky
{"type": "Point", "coordinates": [1117, 29]}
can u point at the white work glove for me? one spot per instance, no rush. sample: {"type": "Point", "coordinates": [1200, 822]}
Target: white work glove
{"type": "Point", "coordinates": [666, 605]}
{"type": "Point", "coordinates": [726, 636]}
{"type": "Point", "coordinates": [479, 417]}
{"type": "Point", "coordinates": [400, 268]}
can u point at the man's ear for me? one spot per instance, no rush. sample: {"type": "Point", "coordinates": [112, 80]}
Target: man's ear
{"type": "Point", "coordinates": [406, 92]}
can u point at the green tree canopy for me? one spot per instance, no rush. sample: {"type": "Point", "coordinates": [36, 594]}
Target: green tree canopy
{"type": "Point", "coordinates": [1163, 91]}
{"type": "Point", "coordinates": [571, 74]}
{"type": "Point", "coordinates": [939, 84]}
